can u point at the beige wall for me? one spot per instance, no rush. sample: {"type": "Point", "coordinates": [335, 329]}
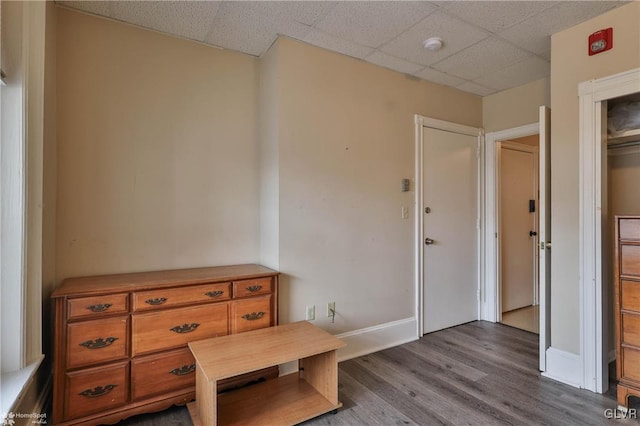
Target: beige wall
{"type": "Point", "coordinates": [157, 153]}
{"type": "Point", "coordinates": [515, 107]}
{"type": "Point", "coordinates": [571, 65]}
{"type": "Point", "coordinates": [624, 175]}
{"type": "Point", "coordinates": [269, 132]}
{"type": "Point", "coordinates": [49, 177]}
{"type": "Point", "coordinates": [346, 142]}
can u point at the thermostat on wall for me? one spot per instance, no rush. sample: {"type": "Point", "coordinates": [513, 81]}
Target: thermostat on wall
{"type": "Point", "coordinates": [600, 41]}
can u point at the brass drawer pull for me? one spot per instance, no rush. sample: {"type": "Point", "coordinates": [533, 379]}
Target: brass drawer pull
{"type": "Point", "coordinates": [97, 391]}
{"type": "Point", "coordinates": [216, 293]}
{"type": "Point", "coordinates": [253, 316]}
{"type": "Point", "coordinates": [101, 307]}
{"type": "Point", "coordinates": [98, 343]}
{"type": "Point", "coordinates": [156, 301]}
{"type": "Point", "coordinates": [185, 328]}
{"type": "Point", "coordinates": [184, 370]}
{"type": "Point", "coordinates": [254, 288]}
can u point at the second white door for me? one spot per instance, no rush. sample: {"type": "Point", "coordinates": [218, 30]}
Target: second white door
{"type": "Point", "coordinates": [518, 187]}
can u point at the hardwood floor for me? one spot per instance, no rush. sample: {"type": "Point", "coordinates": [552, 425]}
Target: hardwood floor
{"type": "Point", "coordinates": [527, 318]}
{"type": "Point", "coordinates": [474, 374]}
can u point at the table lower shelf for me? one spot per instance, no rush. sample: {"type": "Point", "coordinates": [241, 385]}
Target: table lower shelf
{"type": "Point", "coordinates": [287, 400]}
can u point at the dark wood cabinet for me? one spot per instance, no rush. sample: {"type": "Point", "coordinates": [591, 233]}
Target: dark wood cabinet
{"type": "Point", "coordinates": [121, 340]}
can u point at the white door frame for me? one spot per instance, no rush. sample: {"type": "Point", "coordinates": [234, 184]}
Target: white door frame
{"type": "Point", "coordinates": [593, 95]}
{"type": "Point", "coordinates": [490, 306]}
{"type": "Point", "coordinates": [420, 122]}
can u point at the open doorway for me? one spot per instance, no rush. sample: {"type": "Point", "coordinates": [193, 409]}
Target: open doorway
{"type": "Point", "coordinates": [517, 194]}
{"type": "Point", "coordinates": [491, 307]}
{"type": "Point", "coordinates": [597, 167]}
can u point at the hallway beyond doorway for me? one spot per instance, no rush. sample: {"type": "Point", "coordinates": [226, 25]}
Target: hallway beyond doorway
{"type": "Point", "coordinates": [527, 318]}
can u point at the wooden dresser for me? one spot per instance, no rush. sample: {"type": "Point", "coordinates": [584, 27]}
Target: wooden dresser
{"type": "Point", "coordinates": [627, 307]}
{"type": "Point", "coordinates": [121, 340]}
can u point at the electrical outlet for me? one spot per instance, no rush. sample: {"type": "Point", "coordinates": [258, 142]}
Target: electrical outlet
{"type": "Point", "coordinates": [311, 313]}
{"type": "Point", "coordinates": [405, 212]}
{"type": "Point", "coordinates": [331, 309]}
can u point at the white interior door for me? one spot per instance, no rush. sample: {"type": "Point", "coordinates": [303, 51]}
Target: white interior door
{"type": "Point", "coordinates": [544, 225]}
{"type": "Point", "coordinates": [450, 194]}
{"type": "Point", "coordinates": [517, 232]}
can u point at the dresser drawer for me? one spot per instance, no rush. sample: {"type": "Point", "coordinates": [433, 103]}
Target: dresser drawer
{"type": "Point", "coordinates": [154, 374]}
{"type": "Point", "coordinates": [96, 389]}
{"type": "Point", "coordinates": [97, 306]}
{"type": "Point", "coordinates": [91, 342]}
{"type": "Point", "coordinates": [172, 328]}
{"type": "Point", "coordinates": [631, 295]}
{"type": "Point", "coordinates": [154, 299]}
{"type": "Point", "coordinates": [250, 314]}
{"type": "Point", "coordinates": [630, 229]}
{"type": "Point", "coordinates": [254, 287]}
{"type": "Point", "coordinates": [630, 364]}
{"type": "Point", "coordinates": [630, 260]}
{"type": "Point", "coordinates": [631, 329]}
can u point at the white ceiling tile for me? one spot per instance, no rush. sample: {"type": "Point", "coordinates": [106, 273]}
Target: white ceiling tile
{"type": "Point", "coordinates": [530, 69]}
{"type": "Point", "coordinates": [476, 89]}
{"type": "Point", "coordinates": [495, 16]}
{"type": "Point", "coordinates": [327, 41]}
{"type": "Point", "coordinates": [396, 28]}
{"type": "Point", "coordinates": [479, 59]}
{"type": "Point", "coordinates": [304, 12]}
{"type": "Point", "coordinates": [393, 63]}
{"type": "Point", "coordinates": [439, 77]}
{"type": "Point", "coordinates": [534, 33]}
{"type": "Point", "coordinates": [372, 23]}
{"type": "Point", "coordinates": [95, 7]}
{"type": "Point", "coordinates": [182, 18]}
{"type": "Point", "coordinates": [251, 27]}
{"type": "Point", "coordinates": [456, 35]}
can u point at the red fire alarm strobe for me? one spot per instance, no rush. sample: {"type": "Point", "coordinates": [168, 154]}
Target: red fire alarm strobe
{"type": "Point", "coordinates": [600, 41]}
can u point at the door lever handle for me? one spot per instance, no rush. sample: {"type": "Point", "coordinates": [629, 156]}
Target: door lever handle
{"type": "Point", "coordinates": [532, 233]}
{"type": "Point", "coordinates": [428, 241]}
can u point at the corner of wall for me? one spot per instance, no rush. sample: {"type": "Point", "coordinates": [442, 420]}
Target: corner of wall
{"type": "Point", "coordinates": [268, 140]}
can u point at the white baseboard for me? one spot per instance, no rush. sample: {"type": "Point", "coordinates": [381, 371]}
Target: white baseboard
{"type": "Point", "coordinates": [372, 339]}
{"type": "Point", "coordinates": [563, 367]}
{"type": "Point", "coordinates": [368, 340]}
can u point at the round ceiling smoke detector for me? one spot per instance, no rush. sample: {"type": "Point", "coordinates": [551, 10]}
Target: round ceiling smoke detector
{"type": "Point", "coordinates": [433, 44]}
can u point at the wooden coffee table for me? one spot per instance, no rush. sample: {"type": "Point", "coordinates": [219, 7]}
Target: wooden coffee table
{"type": "Point", "coordinates": [287, 400]}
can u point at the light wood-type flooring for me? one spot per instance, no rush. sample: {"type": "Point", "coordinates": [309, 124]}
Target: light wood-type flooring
{"type": "Point", "coordinates": [478, 373]}
{"type": "Point", "coordinates": [527, 318]}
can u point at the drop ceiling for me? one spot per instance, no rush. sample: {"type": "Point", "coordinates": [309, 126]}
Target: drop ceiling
{"type": "Point", "coordinates": [489, 46]}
